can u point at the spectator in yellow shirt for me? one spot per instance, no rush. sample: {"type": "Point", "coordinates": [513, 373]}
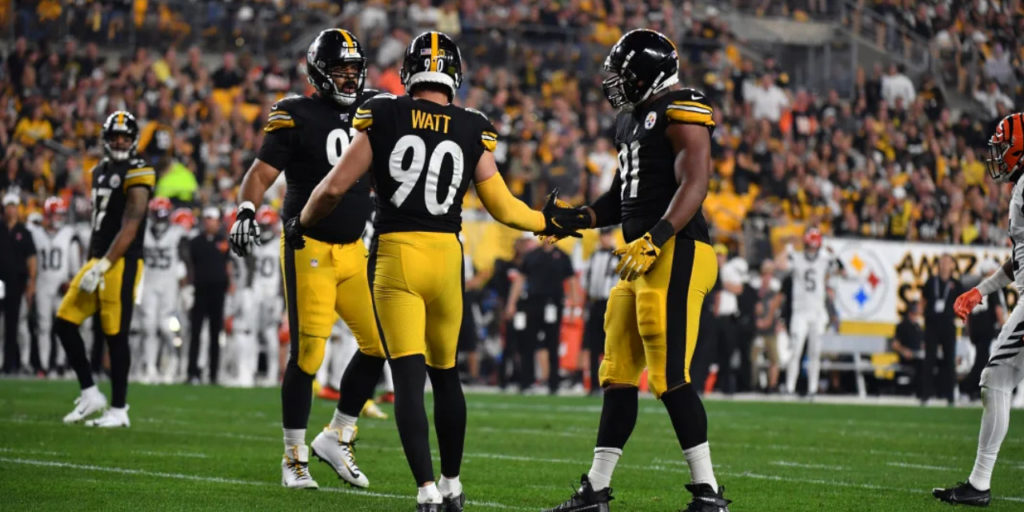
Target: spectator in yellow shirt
{"type": "Point", "coordinates": [34, 128]}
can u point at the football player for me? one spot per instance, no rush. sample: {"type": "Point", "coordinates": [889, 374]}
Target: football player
{"type": "Point", "coordinates": [305, 137]}
{"type": "Point", "coordinates": [428, 152]}
{"type": "Point", "coordinates": [668, 266]}
{"type": "Point", "coordinates": [1005, 368]}
{"type": "Point", "coordinates": [810, 271]}
{"type": "Point", "coordinates": [164, 247]}
{"type": "Point", "coordinates": [58, 255]}
{"type": "Point", "coordinates": [121, 186]}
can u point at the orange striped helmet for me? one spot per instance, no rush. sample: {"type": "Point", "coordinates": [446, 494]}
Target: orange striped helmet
{"type": "Point", "coordinates": [1006, 149]}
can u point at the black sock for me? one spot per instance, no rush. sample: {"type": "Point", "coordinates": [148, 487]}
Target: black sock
{"type": "Point", "coordinates": [74, 347]}
{"type": "Point", "coordinates": [120, 361]}
{"type": "Point", "coordinates": [449, 418]}
{"type": "Point", "coordinates": [358, 382]}
{"type": "Point", "coordinates": [618, 417]}
{"type": "Point", "coordinates": [410, 374]}
{"type": "Point", "coordinates": [689, 419]}
{"type": "Point", "coordinates": [296, 396]}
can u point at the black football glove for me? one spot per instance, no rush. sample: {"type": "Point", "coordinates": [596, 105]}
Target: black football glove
{"type": "Point", "coordinates": [562, 220]}
{"type": "Point", "coordinates": [245, 232]}
{"type": "Point", "coordinates": [293, 233]}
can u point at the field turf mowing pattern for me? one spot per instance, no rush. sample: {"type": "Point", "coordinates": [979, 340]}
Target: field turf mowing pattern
{"type": "Point", "coordinates": [208, 448]}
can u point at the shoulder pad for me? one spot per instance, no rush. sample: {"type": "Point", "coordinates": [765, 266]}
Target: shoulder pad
{"type": "Point", "coordinates": [284, 113]}
{"type": "Point", "coordinates": [367, 94]}
{"type": "Point", "coordinates": [364, 114]}
{"type": "Point", "coordinates": [689, 106]}
{"type": "Point", "coordinates": [136, 163]}
{"type": "Point", "coordinates": [477, 112]}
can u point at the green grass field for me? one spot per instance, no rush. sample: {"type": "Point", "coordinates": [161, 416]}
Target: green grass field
{"type": "Point", "coordinates": [203, 448]}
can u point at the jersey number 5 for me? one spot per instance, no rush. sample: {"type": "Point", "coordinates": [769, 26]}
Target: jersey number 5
{"type": "Point", "coordinates": [408, 176]}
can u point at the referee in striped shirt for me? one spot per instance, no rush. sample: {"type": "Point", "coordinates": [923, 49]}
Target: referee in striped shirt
{"type": "Point", "coordinates": [598, 280]}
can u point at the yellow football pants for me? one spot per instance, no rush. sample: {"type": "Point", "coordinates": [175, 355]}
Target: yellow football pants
{"type": "Point", "coordinates": [114, 299]}
{"type": "Point", "coordinates": [321, 282]}
{"type": "Point", "coordinates": [653, 321]}
{"type": "Point", "coordinates": [417, 293]}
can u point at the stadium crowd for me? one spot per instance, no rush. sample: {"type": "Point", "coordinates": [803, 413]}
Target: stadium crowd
{"type": "Point", "coordinates": [891, 161]}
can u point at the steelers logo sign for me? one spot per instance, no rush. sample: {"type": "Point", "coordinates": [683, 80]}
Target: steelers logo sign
{"type": "Point", "coordinates": [863, 292]}
{"type": "Point", "coordinates": [650, 120]}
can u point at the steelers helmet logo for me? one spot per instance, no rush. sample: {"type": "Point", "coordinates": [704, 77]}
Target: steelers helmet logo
{"type": "Point", "coordinates": [650, 120]}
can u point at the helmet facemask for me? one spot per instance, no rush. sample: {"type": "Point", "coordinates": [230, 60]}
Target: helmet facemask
{"type": "Point", "coordinates": [344, 79]}
{"type": "Point", "coordinates": [119, 144]}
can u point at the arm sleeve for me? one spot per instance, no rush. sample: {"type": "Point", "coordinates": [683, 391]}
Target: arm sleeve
{"type": "Point", "coordinates": [505, 208]}
{"type": "Point", "coordinates": [608, 208]}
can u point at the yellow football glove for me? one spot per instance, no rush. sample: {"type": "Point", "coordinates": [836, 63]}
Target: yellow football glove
{"type": "Point", "coordinates": [637, 257]}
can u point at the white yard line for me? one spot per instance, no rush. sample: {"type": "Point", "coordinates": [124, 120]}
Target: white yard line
{"type": "Point", "coordinates": [920, 466]}
{"type": "Point", "coordinates": [191, 455]}
{"type": "Point", "coordinates": [219, 480]}
{"type": "Point", "coordinates": [791, 464]}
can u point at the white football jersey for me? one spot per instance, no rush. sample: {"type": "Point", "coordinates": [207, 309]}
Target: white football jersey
{"type": "Point", "coordinates": [58, 254]}
{"type": "Point", "coordinates": [809, 278]}
{"type": "Point", "coordinates": [162, 256]}
{"type": "Point", "coordinates": [266, 271]}
{"type": "Point", "coordinates": [1017, 233]}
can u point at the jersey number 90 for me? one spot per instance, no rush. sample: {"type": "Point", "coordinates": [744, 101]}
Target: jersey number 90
{"type": "Point", "coordinates": [407, 175]}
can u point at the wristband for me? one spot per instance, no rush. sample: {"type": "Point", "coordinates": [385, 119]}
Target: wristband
{"type": "Point", "coordinates": [661, 232]}
{"type": "Point", "coordinates": [993, 283]}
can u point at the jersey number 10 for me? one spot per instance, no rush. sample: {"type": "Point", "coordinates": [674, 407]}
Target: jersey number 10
{"type": "Point", "coordinates": [407, 177]}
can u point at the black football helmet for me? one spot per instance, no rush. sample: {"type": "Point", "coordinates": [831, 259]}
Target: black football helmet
{"type": "Point", "coordinates": [432, 57]}
{"type": "Point", "coordinates": [335, 47]}
{"type": "Point", "coordinates": [642, 63]}
{"type": "Point", "coordinates": [120, 122]}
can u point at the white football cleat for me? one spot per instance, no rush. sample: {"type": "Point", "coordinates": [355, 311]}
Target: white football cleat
{"type": "Point", "coordinates": [337, 449]}
{"type": "Point", "coordinates": [112, 418]}
{"type": "Point", "coordinates": [88, 403]}
{"type": "Point", "coordinates": [371, 410]}
{"type": "Point", "coordinates": [295, 469]}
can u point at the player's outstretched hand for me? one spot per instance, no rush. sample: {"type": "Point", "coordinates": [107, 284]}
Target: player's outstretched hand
{"type": "Point", "coordinates": [561, 219]}
{"type": "Point", "coordinates": [245, 232]}
{"type": "Point", "coordinates": [293, 233]}
{"type": "Point", "coordinates": [966, 303]}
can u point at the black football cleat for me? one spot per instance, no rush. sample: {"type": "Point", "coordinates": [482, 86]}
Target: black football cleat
{"type": "Point", "coordinates": [453, 503]}
{"type": "Point", "coordinates": [429, 507]}
{"type": "Point", "coordinates": [963, 494]}
{"type": "Point", "coordinates": [705, 499]}
{"type": "Point", "coordinates": [586, 499]}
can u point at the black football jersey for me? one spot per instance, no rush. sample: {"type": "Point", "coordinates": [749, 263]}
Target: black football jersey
{"type": "Point", "coordinates": [305, 137]}
{"type": "Point", "coordinates": [110, 183]}
{"type": "Point", "coordinates": [425, 155]}
{"type": "Point", "coordinates": [647, 177]}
